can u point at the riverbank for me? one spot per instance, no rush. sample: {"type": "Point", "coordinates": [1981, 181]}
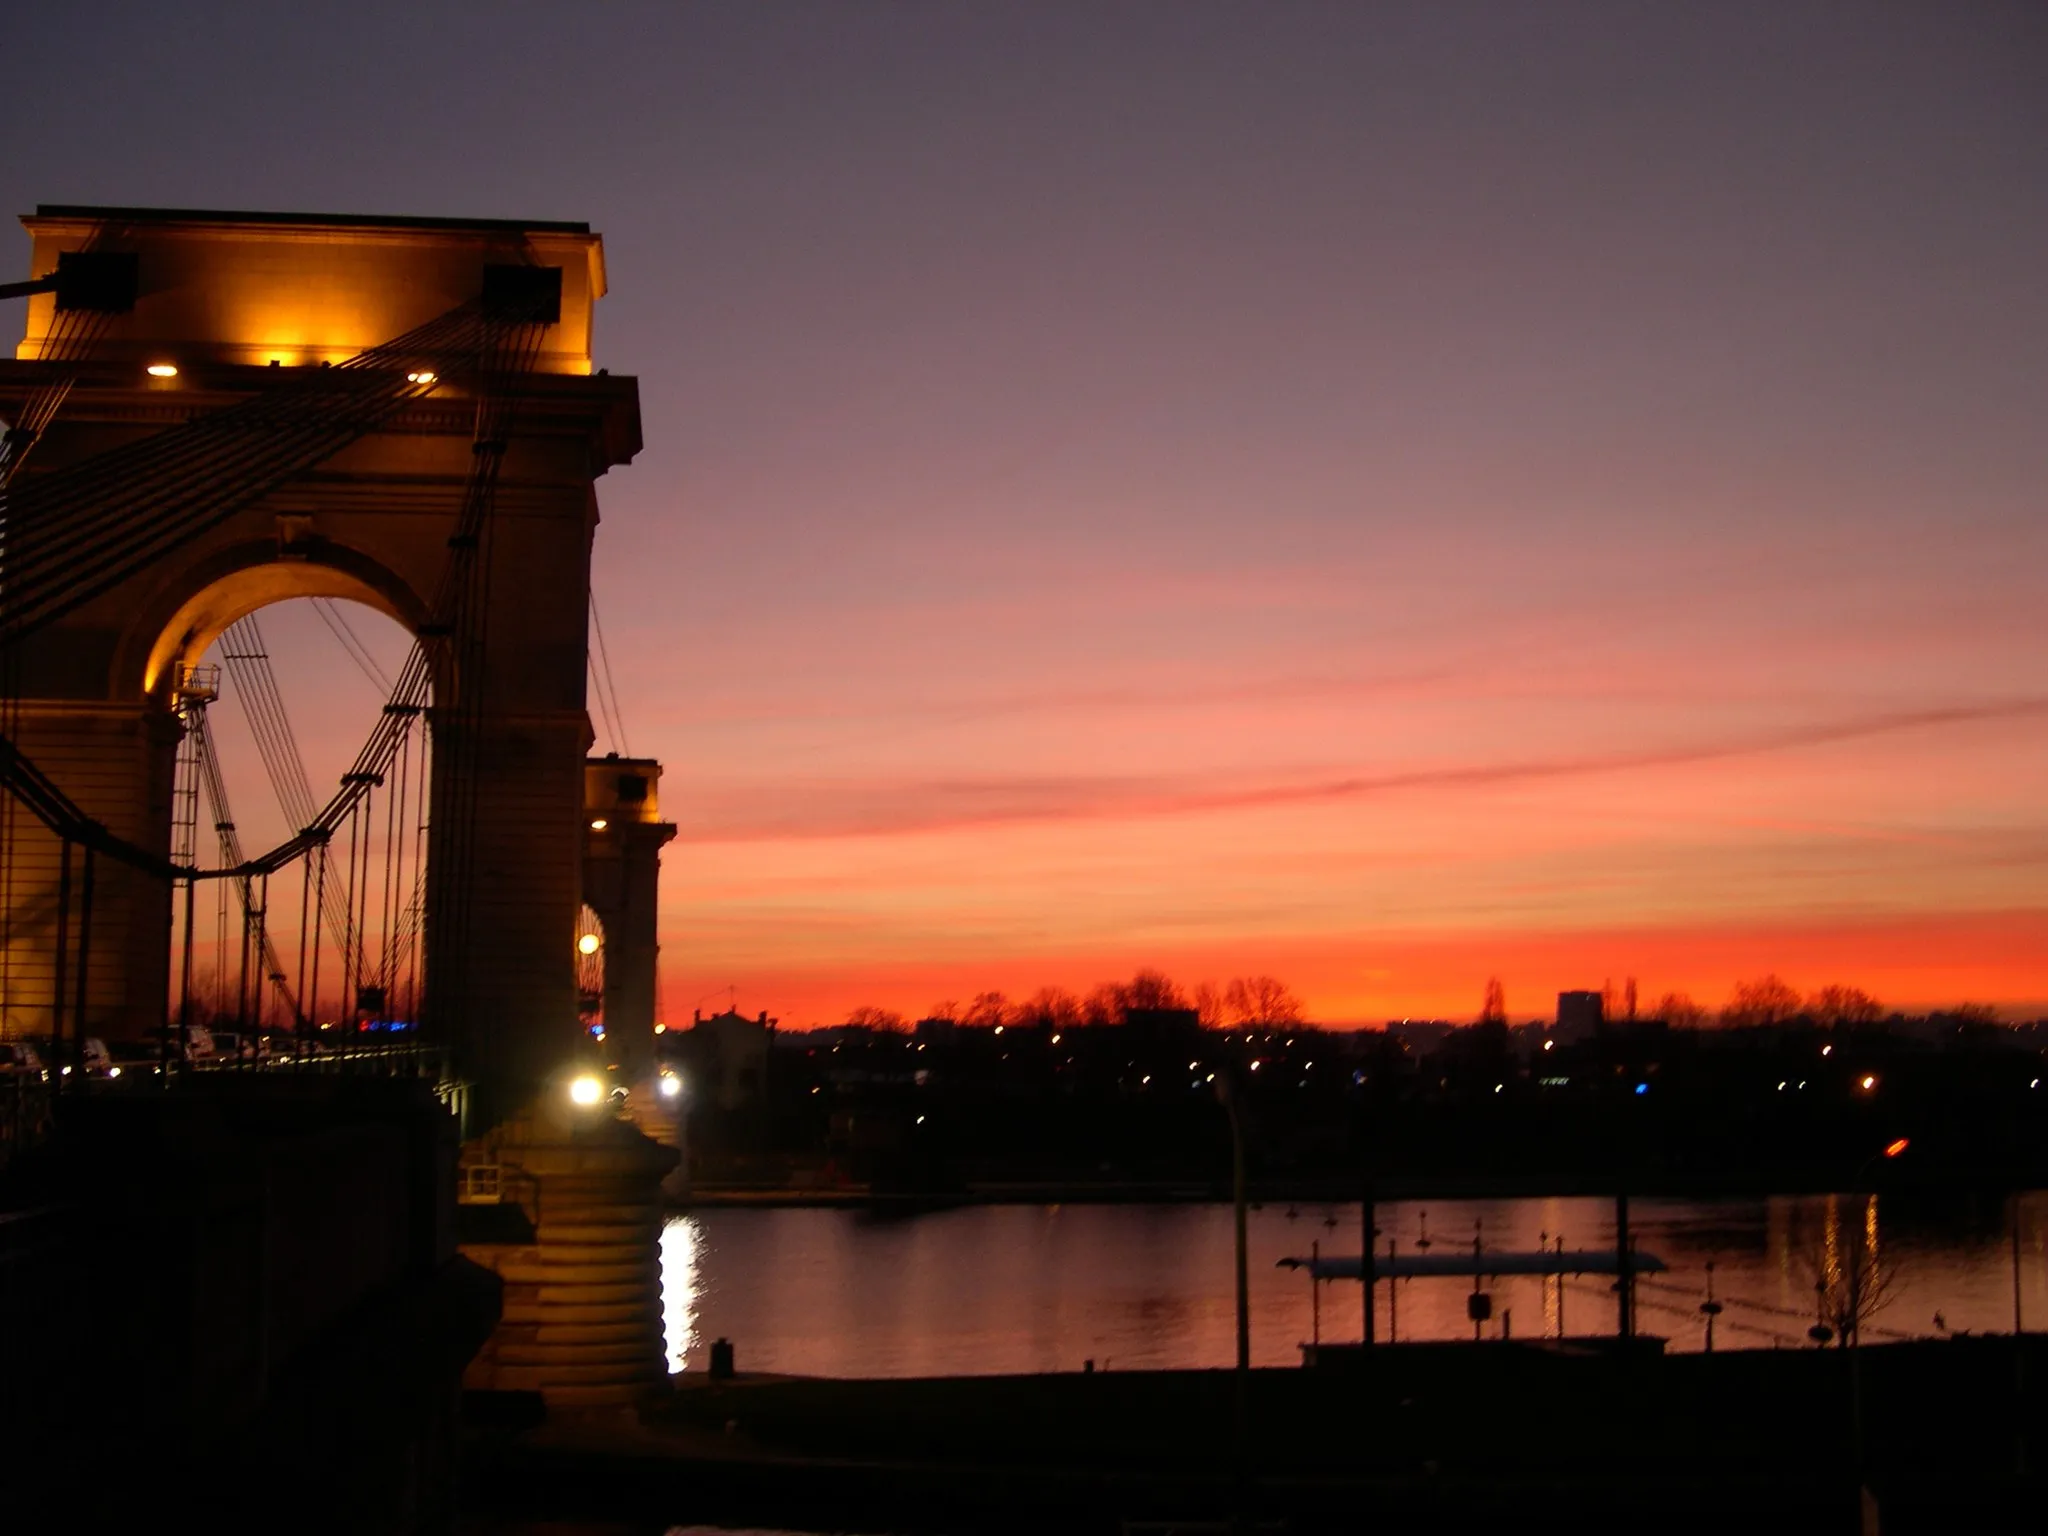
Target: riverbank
{"type": "Point", "coordinates": [1648, 1183]}
{"type": "Point", "coordinates": [1458, 1437]}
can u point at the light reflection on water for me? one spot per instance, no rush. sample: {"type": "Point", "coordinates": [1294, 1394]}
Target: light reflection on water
{"type": "Point", "coordinates": [681, 1242]}
{"type": "Point", "coordinates": [1000, 1289]}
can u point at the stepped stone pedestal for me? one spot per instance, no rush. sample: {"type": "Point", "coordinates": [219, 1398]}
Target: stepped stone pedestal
{"type": "Point", "coordinates": [582, 1319]}
{"type": "Point", "coordinates": [666, 1121]}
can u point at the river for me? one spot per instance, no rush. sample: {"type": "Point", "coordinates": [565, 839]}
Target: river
{"type": "Point", "coordinates": [1020, 1288]}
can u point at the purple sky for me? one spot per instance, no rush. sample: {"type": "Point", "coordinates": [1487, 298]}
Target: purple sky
{"type": "Point", "coordinates": [1383, 494]}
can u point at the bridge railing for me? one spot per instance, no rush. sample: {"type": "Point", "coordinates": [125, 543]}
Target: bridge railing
{"type": "Point", "coordinates": [30, 1101]}
{"type": "Point", "coordinates": [368, 1057]}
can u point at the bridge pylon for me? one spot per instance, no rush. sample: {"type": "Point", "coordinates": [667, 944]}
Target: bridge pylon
{"type": "Point", "coordinates": [238, 321]}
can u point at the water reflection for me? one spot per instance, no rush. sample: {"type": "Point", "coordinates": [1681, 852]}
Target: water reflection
{"type": "Point", "coordinates": [681, 1242]}
{"type": "Point", "coordinates": [993, 1289]}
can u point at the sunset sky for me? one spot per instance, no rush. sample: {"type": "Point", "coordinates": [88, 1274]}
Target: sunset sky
{"type": "Point", "coordinates": [1382, 495]}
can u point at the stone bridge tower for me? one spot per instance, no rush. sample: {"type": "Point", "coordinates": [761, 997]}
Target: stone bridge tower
{"type": "Point", "coordinates": [226, 306]}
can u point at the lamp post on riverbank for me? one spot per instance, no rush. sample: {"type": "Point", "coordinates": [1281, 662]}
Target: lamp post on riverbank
{"type": "Point", "coordinates": [1852, 1319]}
{"type": "Point", "coordinates": [1226, 1094]}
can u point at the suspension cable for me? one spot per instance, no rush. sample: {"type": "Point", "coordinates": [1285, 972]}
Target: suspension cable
{"type": "Point", "coordinates": [615, 717]}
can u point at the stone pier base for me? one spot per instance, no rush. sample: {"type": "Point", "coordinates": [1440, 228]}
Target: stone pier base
{"type": "Point", "coordinates": [665, 1121]}
{"type": "Point", "coordinates": [582, 1320]}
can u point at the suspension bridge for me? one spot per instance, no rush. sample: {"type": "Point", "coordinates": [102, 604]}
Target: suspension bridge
{"type": "Point", "coordinates": [209, 413]}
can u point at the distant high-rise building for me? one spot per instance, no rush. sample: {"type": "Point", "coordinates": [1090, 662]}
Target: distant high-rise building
{"type": "Point", "coordinates": [1580, 1015]}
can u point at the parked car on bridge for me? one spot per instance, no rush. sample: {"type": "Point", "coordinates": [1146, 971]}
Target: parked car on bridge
{"type": "Point", "coordinates": [231, 1046]}
{"type": "Point", "coordinates": [93, 1054]}
{"type": "Point", "coordinates": [135, 1058]}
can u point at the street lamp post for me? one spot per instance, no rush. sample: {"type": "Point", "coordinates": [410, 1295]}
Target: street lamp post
{"type": "Point", "coordinates": [1226, 1094]}
{"type": "Point", "coordinates": [1852, 1321]}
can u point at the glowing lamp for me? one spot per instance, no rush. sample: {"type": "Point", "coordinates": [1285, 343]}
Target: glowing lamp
{"type": "Point", "coordinates": [1867, 1082]}
{"type": "Point", "coordinates": [587, 944]}
{"type": "Point", "coordinates": [671, 1085]}
{"type": "Point", "coordinates": [598, 824]}
{"type": "Point", "coordinates": [585, 1091]}
{"type": "Point", "coordinates": [163, 370]}
{"type": "Point", "coordinates": [1897, 1147]}
{"type": "Point", "coordinates": [422, 377]}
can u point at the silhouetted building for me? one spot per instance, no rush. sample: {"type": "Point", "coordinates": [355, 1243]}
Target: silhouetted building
{"type": "Point", "coordinates": [1579, 1016]}
{"type": "Point", "coordinates": [729, 1055]}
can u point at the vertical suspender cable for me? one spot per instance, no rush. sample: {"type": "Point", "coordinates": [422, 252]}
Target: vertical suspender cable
{"type": "Point", "coordinates": [306, 936]}
{"type": "Point", "coordinates": [184, 991]}
{"type": "Point", "coordinates": [63, 943]}
{"type": "Point", "coordinates": [77, 1054]}
{"type": "Point", "coordinates": [319, 897]}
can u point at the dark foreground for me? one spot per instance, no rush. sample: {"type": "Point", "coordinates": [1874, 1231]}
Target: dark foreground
{"type": "Point", "coordinates": [1434, 1437]}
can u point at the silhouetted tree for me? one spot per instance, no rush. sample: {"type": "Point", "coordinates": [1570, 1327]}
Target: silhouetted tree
{"type": "Point", "coordinates": [1680, 1011]}
{"type": "Point", "coordinates": [987, 1010]}
{"type": "Point", "coordinates": [1765, 1001]}
{"type": "Point", "coordinates": [1836, 1005]}
{"type": "Point", "coordinates": [1495, 1009]}
{"type": "Point", "coordinates": [1851, 1284]}
{"type": "Point", "coordinates": [1152, 989]}
{"type": "Point", "coordinates": [1209, 1007]}
{"type": "Point", "coordinates": [949, 1011]}
{"type": "Point", "coordinates": [1103, 1005]}
{"type": "Point", "coordinates": [1052, 1007]}
{"type": "Point", "coordinates": [882, 1019]}
{"type": "Point", "coordinates": [1261, 1000]}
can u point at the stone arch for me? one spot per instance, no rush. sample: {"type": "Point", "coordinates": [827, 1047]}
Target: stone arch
{"type": "Point", "coordinates": [187, 614]}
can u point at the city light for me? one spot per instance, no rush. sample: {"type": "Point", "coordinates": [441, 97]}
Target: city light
{"type": "Point", "coordinates": [1868, 1081]}
{"type": "Point", "coordinates": [671, 1085]}
{"type": "Point", "coordinates": [1897, 1147]}
{"type": "Point", "coordinates": [422, 377]}
{"type": "Point", "coordinates": [598, 823]}
{"type": "Point", "coordinates": [587, 944]}
{"type": "Point", "coordinates": [163, 370]}
{"type": "Point", "coordinates": [585, 1091]}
